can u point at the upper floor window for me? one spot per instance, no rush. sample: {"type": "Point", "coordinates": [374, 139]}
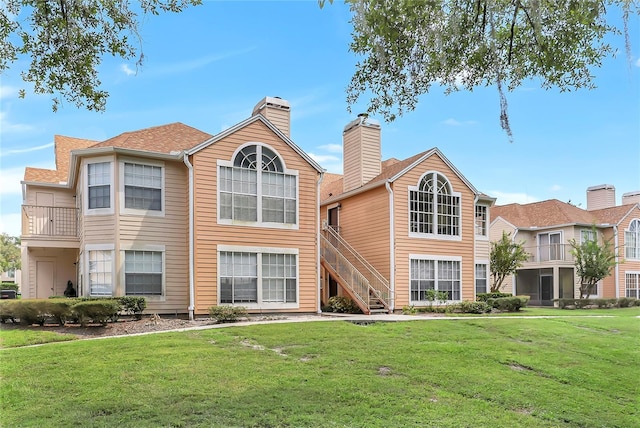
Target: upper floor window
{"type": "Point", "coordinates": [588, 235]}
{"type": "Point", "coordinates": [481, 220]}
{"type": "Point", "coordinates": [434, 207]}
{"type": "Point", "coordinates": [632, 240]}
{"type": "Point", "coordinates": [142, 187]}
{"type": "Point", "coordinates": [550, 246]}
{"type": "Point", "coordinates": [257, 188]}
{"type": "Point", "coordinates": [99, 185]}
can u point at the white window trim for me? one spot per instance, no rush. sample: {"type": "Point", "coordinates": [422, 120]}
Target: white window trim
{"type": "Point", "coordinates": [144, 247]}
{"type": "Point", "coordinates": [100, 247]}
{"type": "Point", "coordinates": [480, 262]}
{"type": "Point", "coordinates": [631, 272]}
{"type": "Point", "coordinates": [229, 163]}
{"type": "Point", "coordinates": [121, 185]}
{"type": "Point", "coordinates": [85, 189]}
{"type": "Point", "coordinates": [582, 241]}
{"type": "Point", "coordinates": [435, 235]}
{"type": "Point", "coordinates": [484, 237]}
{"type": "Point", "coordinates": [627, 230]}
{"type": "Point", "coordinates": [562, 244]}
{"type": "Point", "coordinates": [260, 251]}
{"type": "Point", "coordinates": [436, 258]}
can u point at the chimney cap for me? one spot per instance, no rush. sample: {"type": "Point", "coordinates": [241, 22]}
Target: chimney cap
{"type": "Point", "coordinates": [275, 102]}
{"type": "Point", "coordinates": [633, 193]}
{"type": "Point", "coordinates": [601, 187]}
{"type": "Point", "coordinates": [362, 120]}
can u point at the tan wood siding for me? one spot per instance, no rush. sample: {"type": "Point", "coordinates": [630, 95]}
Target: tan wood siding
{"type": "Point", "coordinates": [209, 234]}
{"type": "Point", "coordinates": [64, 260]}
{"type": "Point", "coordinates": [61, 197]}
{"type": "Point", "coordinates": [625, 265]}
{"type": "Point", "coordinates": [352, 152]}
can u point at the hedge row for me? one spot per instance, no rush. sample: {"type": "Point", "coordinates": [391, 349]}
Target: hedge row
{"type": "Point", "coordinates": [77, 310]}
{"type": "Point", "coordinates": [622, 302]}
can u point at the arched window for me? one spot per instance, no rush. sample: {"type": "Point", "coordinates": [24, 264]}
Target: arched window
{"type": "Point", "coordinates": [434, 208]}
{"type": "Point", "coordinates": [257, 188]}
{"type": "Point", "coordinates": [632, 240]}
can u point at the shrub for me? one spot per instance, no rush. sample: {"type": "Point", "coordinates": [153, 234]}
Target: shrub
{"type": "Point", "coordinates": [525, 300]}
{"type": "Point", "coordinates": [133, 305]}
{"type": "Point", "coordinates": [483, 297]}
{"type": "Point", "coordinates": [507, 304]}
{"type": "Point", "coordinates": [472, 307]}
{"type": "Point", "coordinates": [60, 309]}
{"type": "Point", "coordinates": [627, 302]}
{"type": "Point", "coordinates": [409, 310]}
{"type": "Point", "coordinates": [31, 311]}
{"type": "Point", "coordinates": [326, 308]}
{"type": "Point", "coordinates": [622, 302]}
{"type": "Point", "coordinates": [8, 310]}
{"type": "Point", "coordinates": [97, 311]}
{"type": "Point", "coordinates": [9, 286]}
{"type": "Point", "coordinates": [227, 313]}
{"type": "Point", "coordinates": [344, 305]}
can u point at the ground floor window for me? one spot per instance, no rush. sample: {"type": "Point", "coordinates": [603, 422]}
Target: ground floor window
{"type": "Point", "coordinates": [258, 277]}
{"type": "Point", "coordinates": [100, 272]}
{"type": "Point", "coordinates": [143, 273]}
{"type": "Point", "coordinates": [434, 274]}
{"type": "Point", "coordinates": [632, 284]}
{"type": "Point", "coordinates": [481, 278]}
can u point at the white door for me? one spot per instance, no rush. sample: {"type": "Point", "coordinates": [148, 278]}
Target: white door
{"type": "Point", "coordinates": [43, 215]}
{"type": "Point", "coordinates": [44, 279]}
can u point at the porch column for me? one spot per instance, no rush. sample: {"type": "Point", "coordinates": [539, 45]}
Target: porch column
{"type": "Point", "coordinates": [556, 284]}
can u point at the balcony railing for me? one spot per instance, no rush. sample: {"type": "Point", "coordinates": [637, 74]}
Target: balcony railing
{"type": "Point", "coordinates": [549, 253]}
{"type": "Point", "coordinates": [49, 221]}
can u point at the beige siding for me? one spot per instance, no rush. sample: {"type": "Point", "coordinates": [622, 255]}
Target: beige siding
{"type": "Point", "coordinates": [99, 229]}
{"type": "Point", "coordinates": [625, 265]}
{"type": "Point", "coordinates": [61, 197]}
{"type": "Point", "coordinates": [406, 245]}
{"type": "Point", "coordinates": [352, 150]}
{"type": "Point", "coordinates": [64, 260]}
{"type": "Point", "coordinates": [209, 234]}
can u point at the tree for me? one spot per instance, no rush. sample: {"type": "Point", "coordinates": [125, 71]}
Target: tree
{"type": "Point", "coordinates": [409, 45]}
{"type": "Point", "coordinates": [593, 262]}
{"type": "Point", "coordinates": [9, 253]}
{"type": "Point", "coordinates": [506, 257]}
{"type": "Point", "coordinates": [67, 39]}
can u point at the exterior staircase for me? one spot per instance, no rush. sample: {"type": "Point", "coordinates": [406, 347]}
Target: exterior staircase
{"type": "Point", "coordinates": [365, 285]}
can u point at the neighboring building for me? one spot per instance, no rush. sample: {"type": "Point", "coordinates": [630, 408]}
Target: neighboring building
{"type": "Point", "coordinates": [183, 218]}
{"type": "Point", "coordinates": [395, 229]}
{"type": "Point", "coordinates": [11, 275]}
{"type": "Point", "coordinates": [547, 227]}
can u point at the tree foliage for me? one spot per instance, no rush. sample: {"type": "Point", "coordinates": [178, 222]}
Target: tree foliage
{"type": "Point", "coordinates": [9, 253]}
{"type": "Point", "coordinates": [66, 40]}
{"type": "Point", "coordinates": [593, 262]}
{"type": "Point", "coordinates": [406, 46]}
{"type": "Point", "coordinates": [506, 257]}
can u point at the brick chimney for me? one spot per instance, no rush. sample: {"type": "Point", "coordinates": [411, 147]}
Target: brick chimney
{"type": "Point", "coordinates": [361, 152]}
{"type": "Point", "coordinates": [277, 111]}
{"type": "Point", "coordinates": [601, 196]}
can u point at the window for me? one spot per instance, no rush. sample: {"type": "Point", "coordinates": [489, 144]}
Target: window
{"type": "Point", "coordinates": [260, 278]}
{"type": "Point", "coordinates": [588, 235]}
{"type": "Point", "coordinates": [481, 278]}
{"type": "Point", "coordinates": [99, 185]}
{"type": "Point", "coordinates": [632, 284]}
{"type": "Point", "coordinates": [100, 272]}
{"type": "Point", "coordinates": [143, 273]}
{"type": "Point", "coordinates": [142, 187]}
{"type": "Point", "coordinates": [481, 220]}
{"type": "Point", "coordinates": [257, 188]}
{"type": "Point", "coordinates": [430, 274]}
{"type": "Point", "coordinates": [550, 247]}
{"type": "Point", "coordinates": [434, 207]}
{"type": "Point", "coordinates": [632, 240]}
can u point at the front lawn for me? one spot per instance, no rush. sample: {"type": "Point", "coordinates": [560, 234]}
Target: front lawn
{"type": "Point", "coordinates": [572, 372]}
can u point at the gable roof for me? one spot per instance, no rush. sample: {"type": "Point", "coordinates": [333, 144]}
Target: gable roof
{"type": "Point", "coordinates": [41, 175]}
{"type": "Point", "coordinates": [63, 147]}
{"type": "Point", "coordinates": [613, 215]}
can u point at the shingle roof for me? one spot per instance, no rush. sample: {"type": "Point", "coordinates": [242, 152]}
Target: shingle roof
{"type": "Point", "coordinates": [553, 212]}
{"type": "Point", "coordinates": [160, 139]}
{"type": "Point", "coordinates": [63, 147]}
{"type": "Point", "coordinates": [41, 175]}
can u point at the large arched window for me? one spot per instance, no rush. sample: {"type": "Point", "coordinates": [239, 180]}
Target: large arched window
{"type": "Point", "coordinates": [632, 240]}
{"type": "Point", "coordinates": [256, 187]}
{"type": "Point", "coordinates": [434, 208]}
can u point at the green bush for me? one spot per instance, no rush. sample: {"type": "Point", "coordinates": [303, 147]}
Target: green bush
{"type": "Point", "coordinates": [525, 300]}
{"type": "Point", "coordinates": [507, 304]}
{"type": "Point", "coordinates": [8, 310]}
{"type": "Point", "coordinates": [622, 302]}
{"type": "Point", "coordinates": [409, 310]}
{"type": "Point", "coordinates": [227, 313]}
{"type": "Point", "coordinates": [471, 307]}
{"type": "Point", "coordinates": [483, 297]}
{"type": "Point", "coordinates": [31, 311]}
{"type": "Point", "coordinates": [97, 311]}
{"type": "Point", "coordinates": [133, 305]}
{"type": "Point", "coordinates": [344, 305]}
{"type": "Point", "coordinates": [627, 302]}
{"type": "Point", "coordinates": [60, 309]}
{"type": "Point", "coordinates": [9, 286]}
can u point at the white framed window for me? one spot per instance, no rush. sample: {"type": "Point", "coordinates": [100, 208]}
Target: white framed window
{"type": "Point", "coordinates": [258, 277]}
{"type": "Point", "coordinates": [142, 187]}
{"type": "Point", "coordinates": [632, 284]}
{"type": "Point", "coordinates": [481, 220]}
{"type": "Point", "coordinates": [434, 208]}
{"type": "Point", "coordinates": [437, 273]}
{"type": "Point", "coordinates": [550, 246]}
{"type": "Point", "coordinates": [100, 267]}
{"type": "Point", "coordinates": [99, 188]}
{"type": "Point", "coordinates": [481, 278]}
{"type": "Point", "coordinates": [632, 240]}
{"type": "Point", "coordinates": [588, 235]}
{"type": "Point", "coordinates": [143, 273]}
{"type": "Point", "coordinates": [257, 188]}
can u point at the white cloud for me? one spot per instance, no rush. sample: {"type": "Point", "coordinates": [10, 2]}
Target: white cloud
{"type": "Point", "coordinates": [12, 128]}
{"type": "Point", "coordinates": [26, 150]}
{"type": "Point", "coordinates": [10, 224]}
{"type": "Point", "coordinates": [555, 188]}
{"type": "Point", "coordinates": [10, 181]}
{"type": "Point", "coordinates": [332, 148]}
{"type": "Point", "coordinates": [512, 198]}
{"type": "Point", "coordinates": [324, 158]}
{"type": "Point", "coordinates": [127, 70]}
{"type": "Point", "coordinates": [453, 122]}
{"type": "Point", "coordinates": [8, 91]}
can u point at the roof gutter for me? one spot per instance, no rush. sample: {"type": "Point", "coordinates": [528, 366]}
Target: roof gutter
{"type": "Point", "coordinates": [192, 294]}
{"type": "Point", "coordinates": [392, 253]}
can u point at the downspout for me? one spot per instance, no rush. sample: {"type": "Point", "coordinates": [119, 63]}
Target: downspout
{"type": "Point", "coordinates": [392, 253]}
{"type": "Point", "coordinates": [192, 295]}
{"type": "Point", "coordinates": [319, 310]}
{"type": "Point", "coordinates": [616, 271]}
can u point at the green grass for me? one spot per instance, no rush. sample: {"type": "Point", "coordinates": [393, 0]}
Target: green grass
{"type": "Point", "coordinates": [527, 312]}
{"type": "Point", "coordinates": [569, 372]}
{"type": "Point", "coordinates": [23, 337]}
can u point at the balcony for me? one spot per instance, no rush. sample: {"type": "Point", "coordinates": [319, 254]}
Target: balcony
{"type": "Point", "coordinates": [39, 221]}
{"type": "Point", "coordinates": [549, 253]}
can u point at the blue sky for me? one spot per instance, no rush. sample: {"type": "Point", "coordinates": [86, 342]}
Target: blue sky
{"type": "Point", "coordinates": [207, 67]}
